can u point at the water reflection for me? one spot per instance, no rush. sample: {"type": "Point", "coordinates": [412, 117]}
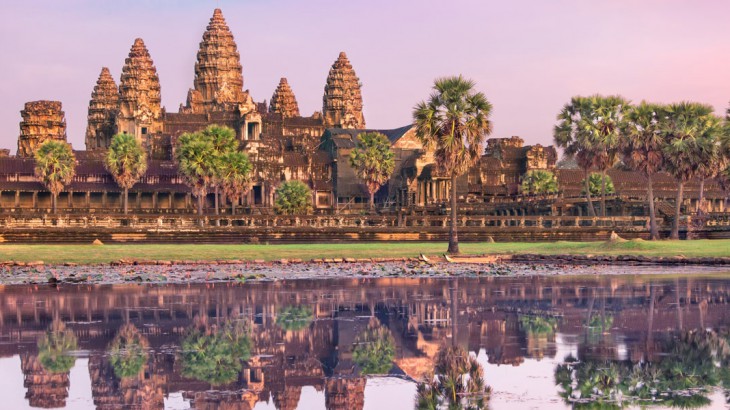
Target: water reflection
{"type": "Point", "coordinates": [607, 342]}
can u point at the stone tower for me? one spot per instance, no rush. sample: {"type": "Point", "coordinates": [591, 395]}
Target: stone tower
{"type": "Point", "coordinates": [342, 102]}
{"type": "Point", "coordinates": [102, 112]}
{"type": "Point", "coordinates": [42, 121]}
{"type": "Point", "coordinates": [140, 112]}
{"type": "Point", "coordinates": [283, 101]}
{"type": "Point", "coordinates": [218, 83]}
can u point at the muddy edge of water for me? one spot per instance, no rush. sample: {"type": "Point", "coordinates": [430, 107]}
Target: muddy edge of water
{"type": "Point", "coordinates": [243, 272]}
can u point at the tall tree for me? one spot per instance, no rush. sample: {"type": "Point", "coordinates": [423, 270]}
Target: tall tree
{"type": "Point", "coordinates": [641, 148]}
{"type": "Point", "coordinates": [455, 122]}
{"type": "Point", "coordinates": [686, 127]}
{"type": "Point", "coordinates": [195, 157]}
{"type": "Point", "coordinates": [234, 174]}
{"type": "Point", "coordinates": [589, 128]}
{"type": "Point", "coordinates": [293, 198]}
{"type": "Point", "coordinates": [373, 161]}
{"type": "Point", "coordinates": [224, 141]}
{"type": "Point", "coordinates": [539, 182]}
{"type": "Point", "coordinates": [126, 161]}
{"type": "Point", "coordinates": [55, 166]}
{"type": "Point", "coordinates": [712, 161]}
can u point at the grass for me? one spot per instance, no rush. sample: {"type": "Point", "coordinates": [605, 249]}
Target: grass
{"type": "Point", "coordinates": [90, 254]}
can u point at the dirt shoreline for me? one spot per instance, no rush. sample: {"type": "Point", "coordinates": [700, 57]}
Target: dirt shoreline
{"type": "Point", "coordinates": [183, 272]}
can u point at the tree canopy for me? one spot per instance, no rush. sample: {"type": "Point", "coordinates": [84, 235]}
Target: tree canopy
{"type": "Point", "coordinates": [373, 161]}
{"type": "Point", "coordinates": [293, 198]}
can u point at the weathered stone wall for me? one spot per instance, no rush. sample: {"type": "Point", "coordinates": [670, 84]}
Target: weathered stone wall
{"type": "Point", "coordinates": [42, 121]}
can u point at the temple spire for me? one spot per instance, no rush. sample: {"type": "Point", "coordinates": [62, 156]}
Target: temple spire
{"type": "Point", "coordinates": [342, 102]}
{"type": "Point", "coordinates": [140, 111]}
{"type": "Point", "coordinates": [218, 71]}
{"type": "Point", "coordinates": [102, 112]}
{"type": "Point", "coordinates": [283, 101]}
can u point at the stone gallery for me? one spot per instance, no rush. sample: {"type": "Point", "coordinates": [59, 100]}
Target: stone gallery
{"type": "Point", "coordinates": [284, 145]}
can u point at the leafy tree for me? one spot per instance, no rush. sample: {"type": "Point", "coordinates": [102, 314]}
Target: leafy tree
{"type": "Point", "coordinates": [55, 166]}
{"type": "Point", "coordinates": [373, 161]}
{"type": "Point", "coordinates": [641, 148]}
{"type": "Point", "coordinates": [54, 347]}
{"type": "Point", "coordinates": [224, 142]}
{"type": "Point", "coordinates": [374, 349]}
{"type": "Point", "coordinates": [458, 382]}
{"type": "Point", "coordinates": [539, 182]}
{"type": "Point", "coordinates": [126, 161]}
{"type": "Point", "coordinates": [598, 183]}
{"type": "Point", "coordinates": [455, 122]}
{"type": "Point", "coordinates": [294, 318]}
{"type": "Point", "coordinates": [589, 128]}
{"type": "Point", "coordinates": [214, 354]}
{"type": "Point", "coordinates": [195, 157]}
{"type": "Point", "coordinates": [128, 352]}
{"type": "Point", "coordinates": [234, 176]}
{"type": "Point", "coordinates": [293, 198]}
{"type": "Point", "coordinates": [687, 127]}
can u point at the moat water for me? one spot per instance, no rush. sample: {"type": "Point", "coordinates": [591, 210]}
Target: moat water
{"type": "Point", "coordinates": [544, 342]}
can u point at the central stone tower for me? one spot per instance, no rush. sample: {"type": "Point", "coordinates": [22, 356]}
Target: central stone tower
{"type": "Point", "coordinates": [218, 84]}
{"type": "Point", "coordinates": [342, 102]}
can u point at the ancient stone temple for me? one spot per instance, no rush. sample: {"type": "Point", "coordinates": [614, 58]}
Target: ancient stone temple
{"type": "Point", "coordinates": [102, 112]}
{"type": "Point", "coordinates": [283, 101]}
{"type": "Point", "coordinates": [42, 121]}
{"type": "Point", "coordinates": [342, 102]}
{"type": "Point", "coordinates": [218, 83]}
{"type": "Point", "coordinates": [140, 112]}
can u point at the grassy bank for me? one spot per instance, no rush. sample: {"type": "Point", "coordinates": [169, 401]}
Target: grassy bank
{"type": "Point", "coordinates": [88, 254]}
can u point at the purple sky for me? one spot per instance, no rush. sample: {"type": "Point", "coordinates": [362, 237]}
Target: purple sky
{"type": "Point", "coordinates": [528, 57]}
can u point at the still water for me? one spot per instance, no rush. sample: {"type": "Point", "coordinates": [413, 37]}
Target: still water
{"type": "Point", "coordinates": [497, 342]}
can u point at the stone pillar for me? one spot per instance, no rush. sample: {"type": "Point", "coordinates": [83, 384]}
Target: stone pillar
{"type": "Point", "coordinates": [88, 199]}
{"type": "Point", "coordinates": [103, 199]}
{"type": "Point", "coordinates": [35, 199]}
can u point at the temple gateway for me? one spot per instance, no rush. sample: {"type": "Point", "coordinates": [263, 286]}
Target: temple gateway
{"type": "Point", "coordinates": [285, 145]}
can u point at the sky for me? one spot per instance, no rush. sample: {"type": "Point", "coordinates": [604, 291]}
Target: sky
{"type": "Point", "coordinates": [527, 56]}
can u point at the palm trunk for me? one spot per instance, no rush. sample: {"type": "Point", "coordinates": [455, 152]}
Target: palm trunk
{"type": "Point", "coordinates": [200, 204]}
{"type": "Point", "coordinates": [54, 201]}
{"type": "Point", "coordinates": [591, 210]}
{"type": "Point", "coordinates": [372, 201]}
{"type": "Point", "coordinates": [677, 212]}
{"type": "Point", "coordinates": [653, 231]}
{"type": "Point", "coordinates": [453, 235]}
{"type": "Point", "coordinates": [233, 205]}
{"type": "Point", "coordinates": [701, 201]}
{"type": "Point", "coordinates": [126, 200]}
{"type": "Point", "coordinates": [215, 193]}
{"type": "Point", "coordinates": [603, 193]}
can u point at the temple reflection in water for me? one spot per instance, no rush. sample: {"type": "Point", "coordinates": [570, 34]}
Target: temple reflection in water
{"type": "Point", "coordinates": [233, 346]}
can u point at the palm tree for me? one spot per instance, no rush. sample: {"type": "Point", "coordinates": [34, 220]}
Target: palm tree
{"type": "Point", "coordinates": [641, 148]}
{"type": "Point", "coordinates": [55, 166]}
{"type": "Point", "coordinates": [712, 163]}
{"type": "Point", "coordinates": [589, 128]}
{"type": "Point", "coordinates": [234, 175]}
{"type": "Point", "coordinates": [374, 349]}
{"type": "Point", "coordinates": [458, 382]}
{"type": "Point", "coordinates": [686, 126]}
{"type": "Point", "coordinates": [126, 161]}
{"type": "Point", "coordinates": [539, 182]}
{"type": "Point", "coordinates": [373, 161]}
{"type": "Point", "coordinates": [293, 198]}
{"type": "Point", "coordinates": [195, 159]}
{"type": "Point", "coordinates": [224, 141]}
{"type": "Point", "coordinates": [454, 121]}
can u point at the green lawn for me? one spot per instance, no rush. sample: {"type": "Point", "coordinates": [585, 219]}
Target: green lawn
{"type": "Point", "coordinates": [87, 254]}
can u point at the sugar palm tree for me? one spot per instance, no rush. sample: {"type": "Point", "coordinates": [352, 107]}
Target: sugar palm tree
{"type": "Point", "coordinates": [224, 141]}
{"type": "Point", "coordinates": [539, 182]}
{"type": "Point", "coordinates": [641, 148]}
{"type": "Point", "coordinates": [126, 161]}
{"type": "Point", "coordinates": [373, 161]}
{"type": "Point", "coordinates": [55, 166]}
{"type": "Point", "coordinates": [195, 159]}
{"type": "Point", "coordinates": [234, 176]}
{"type": "Point", "coordinates": [712, 163]}
{"type": "Point", "coordinates": [686, 127]}
{"type": "Point", "coordinates": [455, 122]}
{"type": "Point", "coordinates": [590, 128]}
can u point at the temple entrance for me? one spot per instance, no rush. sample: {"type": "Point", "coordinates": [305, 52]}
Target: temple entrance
{"type": "Point", "coordinates": [257, 195]}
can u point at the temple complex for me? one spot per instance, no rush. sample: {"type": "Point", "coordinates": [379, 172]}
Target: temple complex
{"type": "Point", "coordinates": [285, 145]}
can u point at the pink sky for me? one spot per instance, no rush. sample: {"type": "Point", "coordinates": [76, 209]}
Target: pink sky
{"type": "Point", "coordinates": [528, 57]}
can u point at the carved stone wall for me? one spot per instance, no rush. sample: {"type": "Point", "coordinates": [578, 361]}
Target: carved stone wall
{"type": "Point", "coordinates": [218, 83]}
{"type": "Point", "coordinates": [283, 101]}
{"type": "Point", "coordinates": [42, 121]}
{"type": "Point", "coordinates": [140, 112]}
{"type": "Point", "coordinates": [102, 112]}
{"type": "Point", "coordinates": [342, 102]}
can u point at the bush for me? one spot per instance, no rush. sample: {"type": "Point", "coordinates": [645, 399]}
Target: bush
{"type": "Point", "coordinates": [293, 198]}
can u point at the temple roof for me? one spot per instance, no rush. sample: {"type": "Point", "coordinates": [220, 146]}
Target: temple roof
{"type": "Point", "coordinates": [342, 101]}
{"type": "Point", "coordinates": [139, 87]}
{"type": "Point", "coordinates": [283, 101]}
